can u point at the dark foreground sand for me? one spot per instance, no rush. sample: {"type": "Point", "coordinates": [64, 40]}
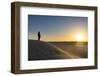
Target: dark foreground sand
{"type": "Point", "coordinates": [40, 50]}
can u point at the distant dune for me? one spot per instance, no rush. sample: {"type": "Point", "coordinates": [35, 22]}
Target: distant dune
{"type": "Point", "coordinates": [40, 50]}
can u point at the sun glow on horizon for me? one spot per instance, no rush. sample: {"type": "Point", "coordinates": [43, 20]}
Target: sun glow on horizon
{"type": "Point", "coordinates": [77, 37]}
{"type": "Point", "coordinates": [80, 37]}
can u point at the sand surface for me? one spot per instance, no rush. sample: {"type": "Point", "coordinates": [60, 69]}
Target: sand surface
{"type": "Point", "coordinates": [41, 50]}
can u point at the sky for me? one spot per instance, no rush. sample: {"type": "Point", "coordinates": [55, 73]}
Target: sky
{"type": "Point", "coordinates": [57, 28]}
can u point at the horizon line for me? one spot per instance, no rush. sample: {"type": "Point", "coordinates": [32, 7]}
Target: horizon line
{"type": "Point", "coordinates": [60, 41]}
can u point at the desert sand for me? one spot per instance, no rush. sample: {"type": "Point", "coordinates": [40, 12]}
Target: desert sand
{"type": "Point", "coordinates": [42, 50]}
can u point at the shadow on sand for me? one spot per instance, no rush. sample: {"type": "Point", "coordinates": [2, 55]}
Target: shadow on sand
{"type": "Point", "coordinates": [40, 50]}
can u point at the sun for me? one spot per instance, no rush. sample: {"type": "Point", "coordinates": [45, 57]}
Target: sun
{"type": "Point", "coordinates": [79, 37]}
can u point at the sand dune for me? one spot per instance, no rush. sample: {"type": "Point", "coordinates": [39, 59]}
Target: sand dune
{"type": "Point", "coordinates": [40, 50]}
{"type": "Point", "coordinates": [65, 54]}
{"type": "Point", "coordinates": [79, 49]}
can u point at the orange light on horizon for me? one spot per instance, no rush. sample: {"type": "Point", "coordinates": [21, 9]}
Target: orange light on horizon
{"type": "Point", "coordinates": [80, 37]}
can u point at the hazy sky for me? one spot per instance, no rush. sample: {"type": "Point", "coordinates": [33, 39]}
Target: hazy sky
{"type": "Point", "coordinates": [57, 28]}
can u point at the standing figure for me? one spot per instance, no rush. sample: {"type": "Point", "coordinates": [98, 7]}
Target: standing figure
{"type": "Point", "coordinates": [39, 35]}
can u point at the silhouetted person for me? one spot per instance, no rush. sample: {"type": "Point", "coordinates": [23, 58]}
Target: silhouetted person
{"type": "Point", "coordinates": [39, 35]}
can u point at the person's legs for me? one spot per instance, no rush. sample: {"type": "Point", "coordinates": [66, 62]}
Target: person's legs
{"type": "Point", "coordinates": [38, 37]}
